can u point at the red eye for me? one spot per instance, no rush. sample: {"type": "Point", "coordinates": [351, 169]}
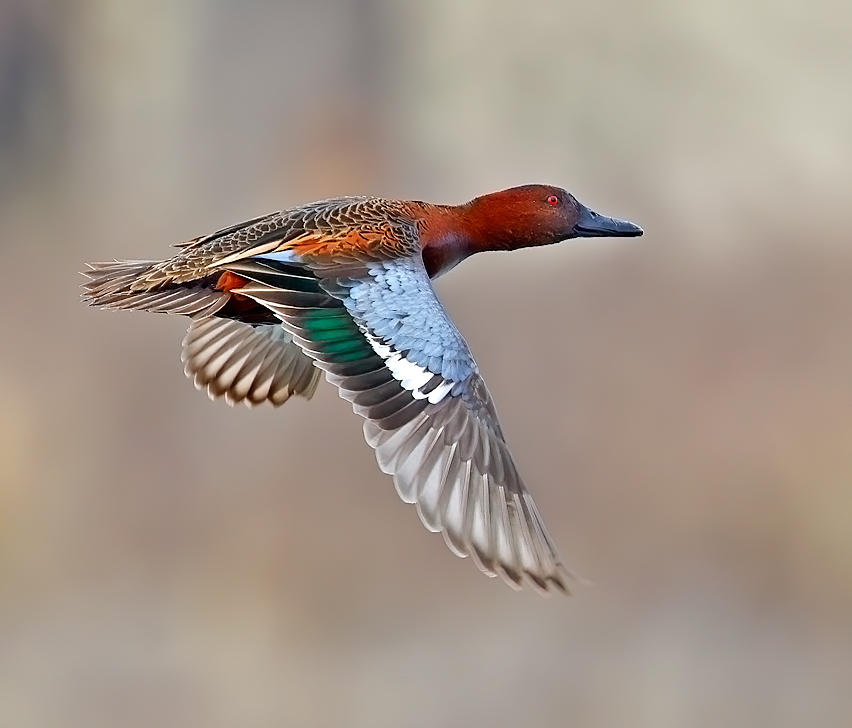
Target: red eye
{"type": "Point", "coordinates": [553, 200]}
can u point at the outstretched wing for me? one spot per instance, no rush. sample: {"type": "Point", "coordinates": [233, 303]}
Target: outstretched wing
{"type": "Point", "coordinates": [383, 338]}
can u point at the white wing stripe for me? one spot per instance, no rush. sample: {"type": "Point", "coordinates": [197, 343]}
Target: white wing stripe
{"type": "Point", "coordinates": [413, 377]}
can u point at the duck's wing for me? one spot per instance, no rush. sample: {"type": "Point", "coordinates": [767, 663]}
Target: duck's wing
{"type": "Point", "coordinates": [245, 363]}
{"type": "Point", "coordinates": [382, 336]}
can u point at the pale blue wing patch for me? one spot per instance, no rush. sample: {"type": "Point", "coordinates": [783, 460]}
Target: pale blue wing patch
{"type": "Point", "coordinates": [396, 308]}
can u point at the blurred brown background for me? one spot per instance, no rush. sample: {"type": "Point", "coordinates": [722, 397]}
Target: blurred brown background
{"type": "Point", "coordinates": [681, 405]}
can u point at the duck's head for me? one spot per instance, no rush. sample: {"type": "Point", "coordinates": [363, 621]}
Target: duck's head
{"type": "Point", "coordinates": [534, 215]}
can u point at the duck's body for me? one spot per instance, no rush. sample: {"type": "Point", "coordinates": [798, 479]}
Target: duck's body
{"type": "Point", "coordinates": [343, 285]}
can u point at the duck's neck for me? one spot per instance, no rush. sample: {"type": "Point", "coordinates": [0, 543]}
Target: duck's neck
{"type": "Point", "coordinates": [449, 234]}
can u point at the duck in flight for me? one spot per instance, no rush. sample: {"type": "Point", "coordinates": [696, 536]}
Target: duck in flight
{"type": "Point", "coordinates": [343, 286]}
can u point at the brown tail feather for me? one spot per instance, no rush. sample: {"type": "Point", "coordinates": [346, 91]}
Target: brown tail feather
{"type": "Point", "coordinates": [111, 286]}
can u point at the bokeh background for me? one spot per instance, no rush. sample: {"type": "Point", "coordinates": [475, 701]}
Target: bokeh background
{"type": "Point", "coordinates": [681, 405]}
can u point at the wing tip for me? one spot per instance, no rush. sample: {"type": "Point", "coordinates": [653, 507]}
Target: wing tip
{"type": "Point", "coordinates": [555, 581]}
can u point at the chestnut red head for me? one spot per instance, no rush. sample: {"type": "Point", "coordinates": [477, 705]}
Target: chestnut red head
{"type": "Point", "coordinates": [540, 215]}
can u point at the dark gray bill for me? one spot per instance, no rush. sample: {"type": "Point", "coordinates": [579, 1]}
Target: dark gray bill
{"type": "Point", "coordinates": [593, 225]}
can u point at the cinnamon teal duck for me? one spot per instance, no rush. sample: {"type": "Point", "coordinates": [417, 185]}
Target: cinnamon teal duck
{"type": "Point", "coordinates": [343, 286]}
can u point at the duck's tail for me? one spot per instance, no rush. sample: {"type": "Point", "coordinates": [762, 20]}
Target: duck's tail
{"type": "Point", "coordinates": [111, 285]}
